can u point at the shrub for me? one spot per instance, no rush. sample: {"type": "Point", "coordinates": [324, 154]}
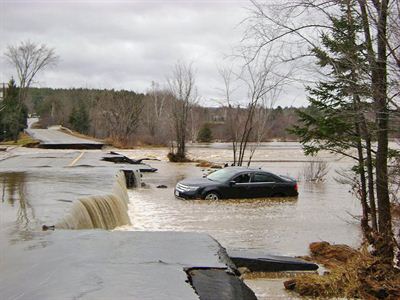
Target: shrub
{"type": "Point", "coordinates": [205, 134]}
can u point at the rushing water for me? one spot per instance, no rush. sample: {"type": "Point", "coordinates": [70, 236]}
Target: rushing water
{"type": "Point", "coordinates": [103, 211]}
{"type": "Point", "coordinates": [323, 211]}
{"type": "Point", "coordinates": [285, 226]}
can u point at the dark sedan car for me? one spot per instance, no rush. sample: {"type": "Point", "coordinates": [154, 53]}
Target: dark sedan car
{"type": "Point", "coordinates": [237, 182]}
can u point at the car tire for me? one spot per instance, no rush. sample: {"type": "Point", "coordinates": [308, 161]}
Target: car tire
{"type": "Point", "coordinates": [211, 196]}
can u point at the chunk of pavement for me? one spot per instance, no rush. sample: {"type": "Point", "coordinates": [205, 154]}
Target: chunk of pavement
{"type": "Point", "coordinates": [256, 262]}
{"type": "Point", "coordinates": [98, 264]}
{"type": "Point", "coordinates": [219, 284]}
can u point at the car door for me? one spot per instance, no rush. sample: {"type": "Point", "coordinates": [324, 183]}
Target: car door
{"type": "Point", "coordinates": [241, 187]}
{"type": "Point", "coordinates": [263, 184]}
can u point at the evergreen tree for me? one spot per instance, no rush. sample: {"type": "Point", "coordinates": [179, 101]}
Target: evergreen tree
{"type": "Point", "coordinates": [14, 114]}
{"type": "Point", "coordinates": [79, 119]}
{"type": "Point", "coordinates": [336, 120]}
{"type": "Point", "coordinates": [205, 134]}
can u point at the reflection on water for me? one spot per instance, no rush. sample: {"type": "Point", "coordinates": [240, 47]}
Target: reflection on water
{"type": "Point", "coordinates": [13, 187]}
{"type": "Point", "coordinates": [14, 194]}
{"type": "Point", "coordinates": [14, 199]}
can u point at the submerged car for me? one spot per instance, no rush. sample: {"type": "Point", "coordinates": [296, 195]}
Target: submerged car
{"type": "Point", "coordinates": [237, 182]}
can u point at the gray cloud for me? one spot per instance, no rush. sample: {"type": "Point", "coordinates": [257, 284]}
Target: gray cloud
{"type": "Point", "coordinates": [127, 44]}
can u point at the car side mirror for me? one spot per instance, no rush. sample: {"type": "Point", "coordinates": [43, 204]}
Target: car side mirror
{"type": "Point", "coordinates": [232, 182]}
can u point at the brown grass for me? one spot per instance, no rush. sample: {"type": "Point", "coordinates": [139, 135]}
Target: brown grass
{"type": "Point", "coordinates": [353, 274]}
{"type": "Point", "coordinates": [173, 157]}
{"type": "Point", "coordinates": [207, 164]}
{"type": "Point", "coordinates": [130, 144]}
{"type": "Point", "coordinates": [24, 140]}
{"type": "Point", "coordinates": [78, 134]}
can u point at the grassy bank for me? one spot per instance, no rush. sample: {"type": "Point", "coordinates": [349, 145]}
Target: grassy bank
{"type": "Point", "coordinates": [352, 274]}
{"type": "Point", "coordinates": [24, 140]}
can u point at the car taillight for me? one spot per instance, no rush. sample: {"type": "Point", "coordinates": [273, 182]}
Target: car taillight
{"type": "Point", "coordinates": [296, 187]}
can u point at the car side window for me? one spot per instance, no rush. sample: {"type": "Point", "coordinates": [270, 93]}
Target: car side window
{"type": "Point", "coordinates": [242, 178]}
{"type": "Point", "coordinates": [262, 177]}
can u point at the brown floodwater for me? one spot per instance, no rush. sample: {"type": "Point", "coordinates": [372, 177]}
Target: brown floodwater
{"type": "Point", "coordinates": [322, 211]}
{"type": "Point", "coordinates": [284, 226]}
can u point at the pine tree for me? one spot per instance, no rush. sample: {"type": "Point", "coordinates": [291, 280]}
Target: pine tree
{"type": "Point", "coordinates": [79, 119]}
{"type": "Point", "coordinates": [336, 119]}
{"type": "Point", "coordinates": [205, 134]}
{"type": "Point", "coordinates": [13, 115]}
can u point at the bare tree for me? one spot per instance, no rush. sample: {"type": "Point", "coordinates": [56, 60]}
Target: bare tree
{"type": "Point", "coordinates": [232, 110]}
{"type": "Point", "coordinates": [154, 108]}
{"type": "Point", "coordinates": [29, 58]}
{"type": "Point", "coordinates": [315, 170]}
{"type": "Point", "coordinates": [182, 87]}
{"type": "Point", "coordinates": [121, 111]}
{"type": "Point", "coordinates": [262, 118]}
{"type": "Point", "coordinates": [261, 83]}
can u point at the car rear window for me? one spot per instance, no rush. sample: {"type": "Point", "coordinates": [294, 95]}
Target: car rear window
{"type": "Point", "coordinates": [262, 177]}
{"type": "Point", "coordinates": [242, 178]}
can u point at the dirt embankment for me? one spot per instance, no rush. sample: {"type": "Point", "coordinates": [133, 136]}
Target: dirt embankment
{"type": "Point", "coordinates": [352, 274]}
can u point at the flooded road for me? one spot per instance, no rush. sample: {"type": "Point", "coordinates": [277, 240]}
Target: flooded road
{"type": "Point", "coordinates": [284, 226]}
{"type": "Point", "coordinates": [323, 211]}
{"type": "Point", "coordinates": [38, 187]}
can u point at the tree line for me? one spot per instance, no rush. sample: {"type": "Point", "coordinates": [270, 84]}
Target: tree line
{"type": "Point", "coordinates": [96, 112]}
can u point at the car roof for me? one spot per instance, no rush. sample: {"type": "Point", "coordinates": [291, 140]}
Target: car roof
{"type": "Point", "coordinates": [240, 169]}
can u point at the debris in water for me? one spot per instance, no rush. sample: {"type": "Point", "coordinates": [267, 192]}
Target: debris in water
{"type": "Point", "coordinates": [271, 263]}
{"type": "Point", "coordinates": [161, 186]}
{"type": "Point", "coordinates": [120, 158]}
{"type": "Point", "coordinates": [45, 227]}
{"type": "Point", "coordinates": [207, 164]}
{"type": "Point", "coordinates": [290, 284]}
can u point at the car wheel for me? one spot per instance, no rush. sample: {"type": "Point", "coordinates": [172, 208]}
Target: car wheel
{"type": "Point", "coordinates": [211, 196]}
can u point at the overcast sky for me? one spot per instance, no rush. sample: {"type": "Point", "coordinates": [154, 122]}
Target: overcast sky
{"type": "Point", "coordinates": [128, 44]}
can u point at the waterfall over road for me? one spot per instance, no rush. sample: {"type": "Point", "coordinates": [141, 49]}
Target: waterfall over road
{"type": "Point", "coordinates": [103, 211]}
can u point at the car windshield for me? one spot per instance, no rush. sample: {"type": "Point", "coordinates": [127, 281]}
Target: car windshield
{"type": "Point", "coordinates": [222, 175]}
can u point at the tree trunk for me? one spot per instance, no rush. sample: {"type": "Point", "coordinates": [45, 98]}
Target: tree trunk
{"type": "Point", "coordinates": [385, 248]}
{"type": "Point", "coordinates": [371, 189]}
{"type": "Point", "coordinates": [378, 65]}
{"type": "Point", "coordinates": [366, 230]}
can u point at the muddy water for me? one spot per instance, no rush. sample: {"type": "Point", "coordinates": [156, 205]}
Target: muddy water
{"type": "Point", "coordinates": [323, 211]}
{"type": "Point", "coordinates": [284, 226]}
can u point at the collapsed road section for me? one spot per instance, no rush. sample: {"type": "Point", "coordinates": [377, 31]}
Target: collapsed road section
{"type": "Point", "coordinates": [261, 262]}
{"type": "Point", "coordinates": [54, 138]}
{"type": "Point", "coordinates": [100, 264]}
{"type": "Point", "coordinates": [50, 187]}
{"type": "Point", "coordinates": [58, 188]}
